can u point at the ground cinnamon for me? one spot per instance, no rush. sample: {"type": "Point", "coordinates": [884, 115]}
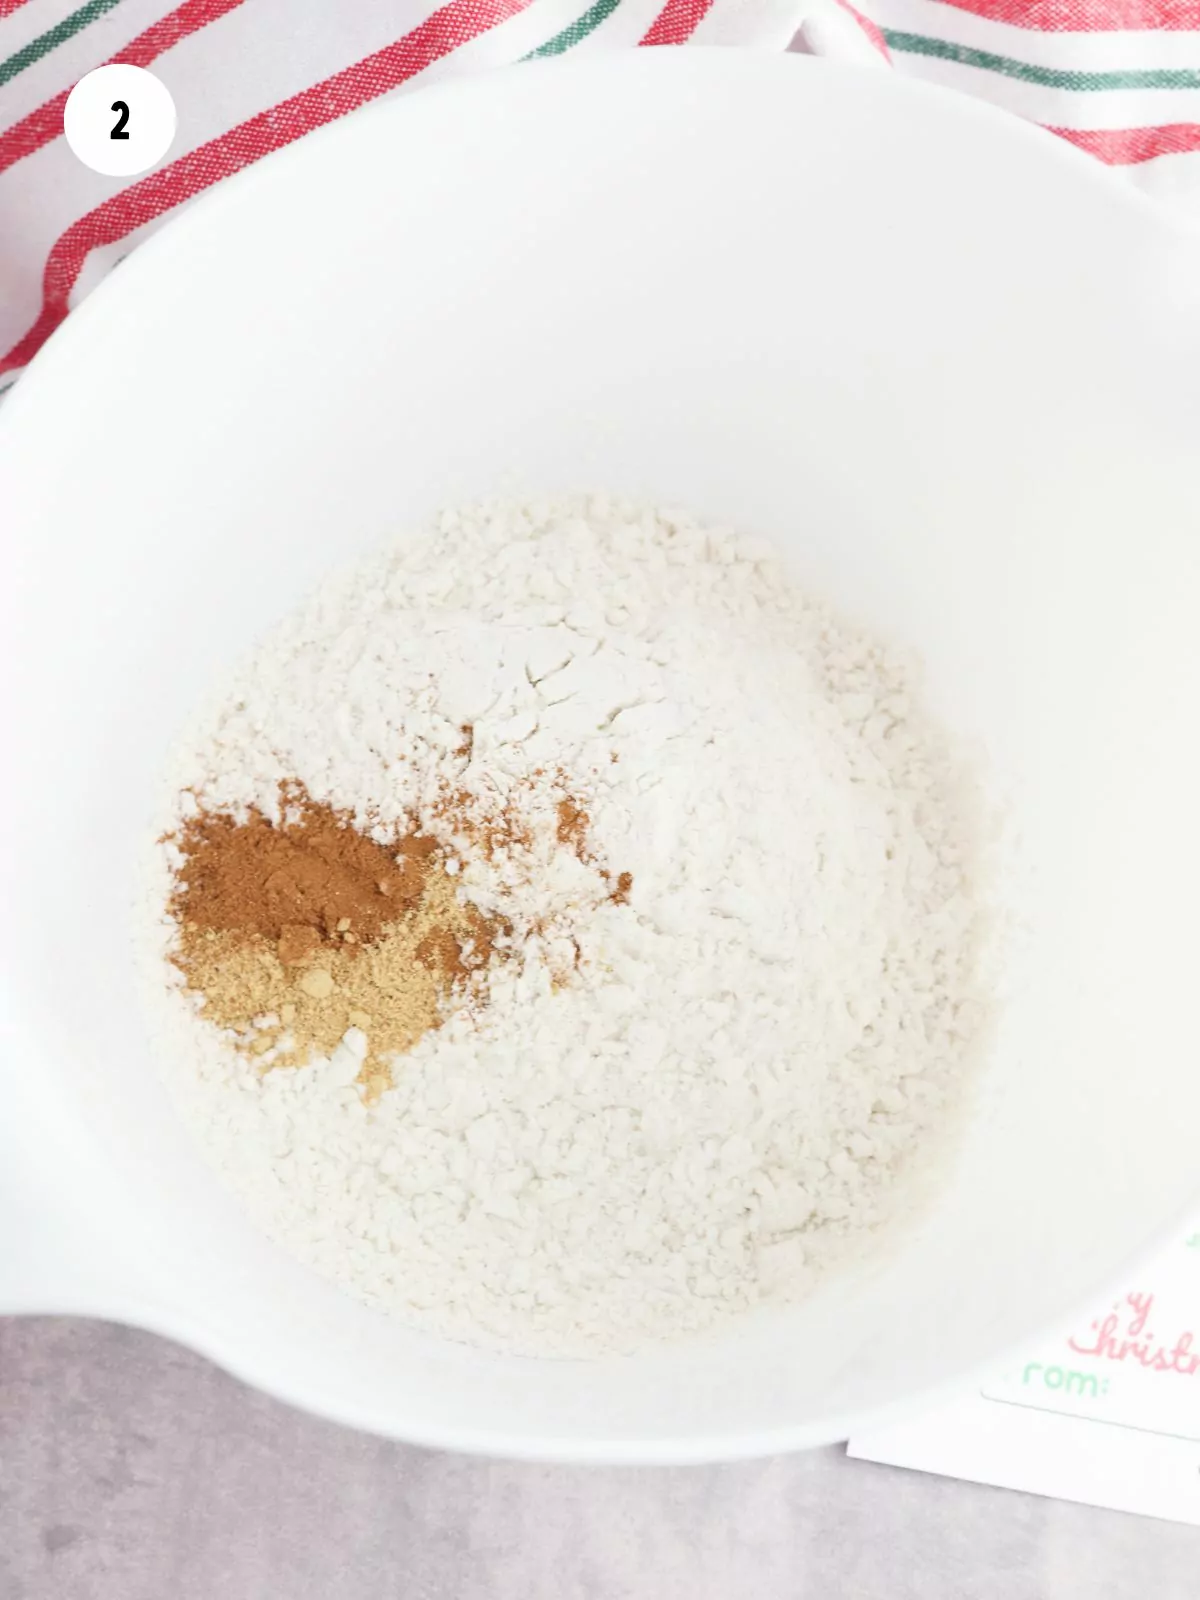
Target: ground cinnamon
{"type": "Point", "coordinates": [306, 882]}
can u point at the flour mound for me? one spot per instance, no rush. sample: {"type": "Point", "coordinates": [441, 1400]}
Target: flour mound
{"type": "Point", "coordinates": [727, 1077]}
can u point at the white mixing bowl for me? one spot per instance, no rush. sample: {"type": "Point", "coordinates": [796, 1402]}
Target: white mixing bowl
{"type": "Point", "coordinates": [953, 370]}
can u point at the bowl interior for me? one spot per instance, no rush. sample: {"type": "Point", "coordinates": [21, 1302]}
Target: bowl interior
{"type": "Point", "coordinates": [908, 341]}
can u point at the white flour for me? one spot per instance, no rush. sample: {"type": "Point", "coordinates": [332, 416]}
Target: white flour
{"type": "Point", "coordinates": [749, 1055]}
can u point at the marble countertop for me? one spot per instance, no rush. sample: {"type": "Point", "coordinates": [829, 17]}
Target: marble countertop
{"type": "Point", "coordinates": [133, 1470]}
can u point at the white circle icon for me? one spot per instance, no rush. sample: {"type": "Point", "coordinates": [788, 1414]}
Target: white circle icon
{"type": "Point", "coordinates": [120, 120]}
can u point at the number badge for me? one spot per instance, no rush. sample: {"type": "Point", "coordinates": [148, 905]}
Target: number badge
{"type": "Point", "coordinates": [120, 120]}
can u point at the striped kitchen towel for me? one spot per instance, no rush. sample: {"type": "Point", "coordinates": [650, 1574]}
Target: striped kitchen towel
{"type": "Point", "coordinates": [1118, 78]}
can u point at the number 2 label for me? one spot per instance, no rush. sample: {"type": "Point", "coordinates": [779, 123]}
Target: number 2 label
{"type": "Point", "coordinates": [119, 120]}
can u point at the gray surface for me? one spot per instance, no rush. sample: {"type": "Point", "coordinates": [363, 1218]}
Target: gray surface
{"type": "Point", "coordinates": [133, 1470]}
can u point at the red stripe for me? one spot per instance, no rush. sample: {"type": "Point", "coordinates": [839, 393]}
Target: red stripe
{"type": "Point", "coordinates": [1088, 16]}
{"type": "Point", "coordinates": [874, 34]}
{"type": "Point", "coordinates": [445, 30]}
{"type": "Point", "coordinates": [46, 123]}
{"type": "Point", "coordinates": [7, 7]}
{"type": "Point", "coordinates": [677, 21]}
{"type": "Point", "coordinates": [1124, 147]}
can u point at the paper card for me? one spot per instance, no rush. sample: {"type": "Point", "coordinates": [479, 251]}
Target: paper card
{"type": "Point", "coordinates": [1108, 1415]}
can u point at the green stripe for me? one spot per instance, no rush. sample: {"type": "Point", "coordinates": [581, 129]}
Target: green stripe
{"type": "Point", "coordinates": [917, 44]}
{"type": "Point", "coordinates": [577, 30]}
{"type": "Point", "coordinates": [58, 34]}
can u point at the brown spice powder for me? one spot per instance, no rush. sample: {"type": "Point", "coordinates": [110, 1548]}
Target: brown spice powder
{"type": "Point", "coordinates": [573, 823]}
{"type": "Point", "coordinates": [298, 882]}
{"type": "Point", "coordinates": [316, 925]}
{"type": "Point", "coordinates": [620, 895]}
